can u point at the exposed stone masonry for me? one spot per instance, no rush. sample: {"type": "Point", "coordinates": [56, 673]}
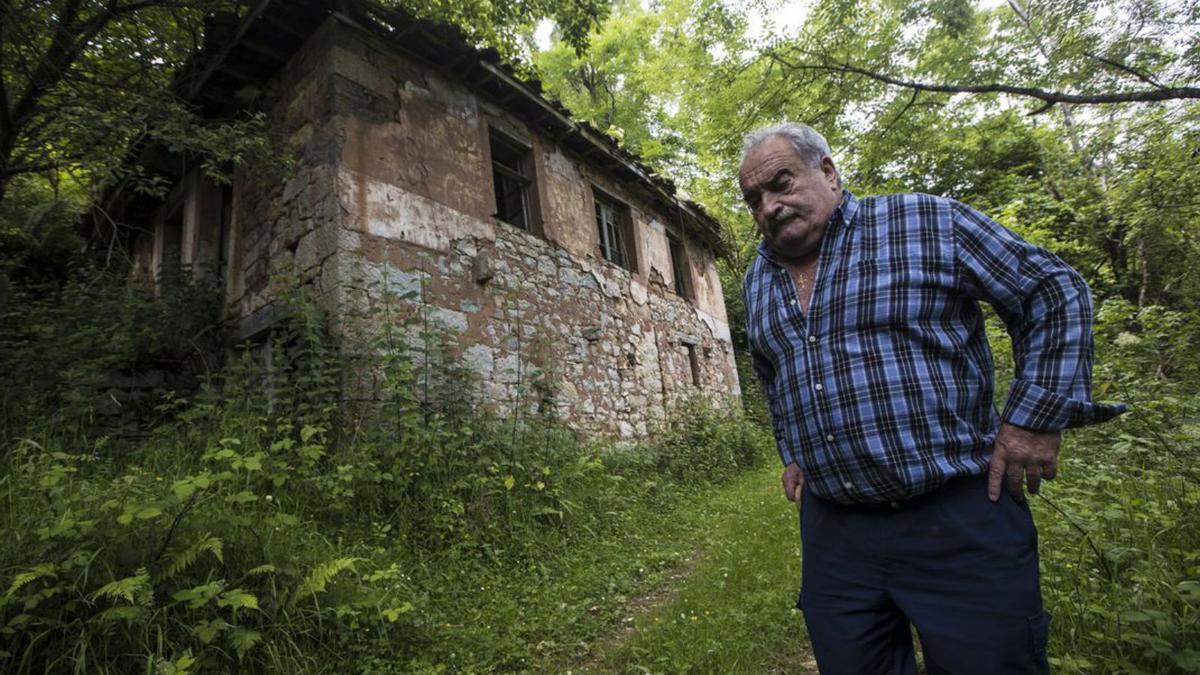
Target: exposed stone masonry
{"type": "Point", "coordinates": [391, 189]}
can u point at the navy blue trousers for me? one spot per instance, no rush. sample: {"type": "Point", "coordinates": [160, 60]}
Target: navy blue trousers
{"type": "Point", "coordinates": [961, 569]}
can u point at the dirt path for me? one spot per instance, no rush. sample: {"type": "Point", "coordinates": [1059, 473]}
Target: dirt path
{"type": "Point", "coordinates": [645, 604]}
{"type": "Point", "coordinates": [724, 607]}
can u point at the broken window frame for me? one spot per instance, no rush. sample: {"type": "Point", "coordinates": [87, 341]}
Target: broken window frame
{"type": "Point", "coordinates": [512, 177]}
{"type": "Point", "coordinates": [614, 223]}
{"type": "Point", "coordinates": [681, 278]}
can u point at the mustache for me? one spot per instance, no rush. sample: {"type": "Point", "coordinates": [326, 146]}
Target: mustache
{"type": "Point", "coordinates": [784, 214]}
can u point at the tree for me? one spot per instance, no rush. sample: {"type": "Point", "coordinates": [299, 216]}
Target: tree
{"type": "Point", "coordinates": [1078, 52]}
{"type": "Point", "coordinates": [1107, 186]}
{"type": "Point", "coordinates": [86, 86]}
{"type": "Point", "coordinates": [81, 79]}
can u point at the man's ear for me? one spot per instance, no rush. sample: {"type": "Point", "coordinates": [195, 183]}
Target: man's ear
{"type": "Point", "coordinates": [830, 171]}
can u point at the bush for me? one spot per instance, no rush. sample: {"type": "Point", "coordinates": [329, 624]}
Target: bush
{"type": "Point", "coordinates": [72, 348]}
{"type": "Point", "coordinates": [699, 443]}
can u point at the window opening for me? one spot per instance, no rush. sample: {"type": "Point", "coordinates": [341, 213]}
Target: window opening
{"type": "Point", "coordinates": [679, 267]}
{"type": "Point", "coordinates": [512, 177]}
{"type": "Point", "coordinates": [695, 363]}
{"type": "Point", "coordinates": [612, 218]}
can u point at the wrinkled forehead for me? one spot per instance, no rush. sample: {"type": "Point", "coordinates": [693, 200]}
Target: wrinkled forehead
{"type": "Point", "coordinates": [766, 159]}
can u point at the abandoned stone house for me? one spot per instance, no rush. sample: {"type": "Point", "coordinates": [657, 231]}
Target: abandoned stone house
{"type": "Point", "coordinates": [425, 168]}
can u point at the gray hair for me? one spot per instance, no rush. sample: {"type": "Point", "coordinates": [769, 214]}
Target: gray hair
{"type": "Point", "coordinates": [810, 145]}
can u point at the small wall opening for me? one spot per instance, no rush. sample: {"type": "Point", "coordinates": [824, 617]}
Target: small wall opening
{"type": "Point", "coordinates": [694, 361]}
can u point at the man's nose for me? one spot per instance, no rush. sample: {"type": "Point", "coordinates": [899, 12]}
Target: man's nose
{"type": "Point", "coordinates": [771, 206]}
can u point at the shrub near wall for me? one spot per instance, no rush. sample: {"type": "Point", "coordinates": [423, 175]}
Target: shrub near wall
{"type": "Point", "coordinates": [75, 352]}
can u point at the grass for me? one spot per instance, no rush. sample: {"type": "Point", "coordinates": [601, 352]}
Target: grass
{"type": "Point", "coordinates": [560, 609]}
{"type": "Point", "coordinates": [253, 537]}
{"type": "Point", "coordinates": [732, 610]}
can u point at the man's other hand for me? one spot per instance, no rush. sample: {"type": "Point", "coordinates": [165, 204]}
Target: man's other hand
{"type": "Point", "coordinates": [1022, 456]}
{"type": "Point", "coordinates": [793, 482]}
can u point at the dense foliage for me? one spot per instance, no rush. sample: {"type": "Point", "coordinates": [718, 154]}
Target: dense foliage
{"type": "Point", "coordinates": [267, 526]}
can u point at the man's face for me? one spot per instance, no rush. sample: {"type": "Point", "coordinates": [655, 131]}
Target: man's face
{"type": "Point", "coordinates": [790, 201]}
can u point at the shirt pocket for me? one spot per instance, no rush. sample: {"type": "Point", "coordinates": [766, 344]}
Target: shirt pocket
{"type": "Point", "coordinates": [883, 293]}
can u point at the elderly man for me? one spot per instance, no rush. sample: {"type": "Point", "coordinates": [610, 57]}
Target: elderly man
{"type": "Point", "coordinates": [864, 321]}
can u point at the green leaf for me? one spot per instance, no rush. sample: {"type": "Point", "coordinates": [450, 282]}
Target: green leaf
{"type": "Point", "coordinates": [198, 596]}
{"type": "Point", "coordinates": [393, 613]}
{"type": "Point", "coordinates": [261, 569]}
{"type": "Point", "coordinates": [128, 588]}
{"type": "Point", "coordinates": [1188, 660]}
{"type": "Point", "coordinates": [183, 489]}
{"type": "Point", "coordinates": [244, 640]}
{"type": "Point", "coordinates": [1136, 616]}
{"type": "Point", "coordinates": [322, 574]}
{"type": "Point", "coordinates": [208, 630]}
{"type": "Point", "coordinates": [238, 598]}
{"type": "Point", "coordinates": [308, 432]}
{"type": "Point", "coordinates": [123, 613]}
{"type": "Point", "coordinates": [181, 560]}
{"type": "Point", "coordinates": [148, 512]}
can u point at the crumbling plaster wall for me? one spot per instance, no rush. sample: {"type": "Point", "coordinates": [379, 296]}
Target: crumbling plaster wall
{"type": "Point", "coordinates": [391, 189]}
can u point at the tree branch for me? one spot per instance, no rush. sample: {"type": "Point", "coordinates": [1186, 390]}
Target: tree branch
{"type": "Point", "coordinates": [1047, 96]}
{"type": "Point", "coordinates": [1124, 68]}
{"type": "Point", "coordinates": [911, 101]}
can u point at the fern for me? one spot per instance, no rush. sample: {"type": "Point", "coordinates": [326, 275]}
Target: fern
{"type": "Point", "coordinates": [181, 560]}
{"type": "Point", "coordinates": [123, 613]}
{"type": "Point", "coordinates": [238, 598]}
{"type": "Point", "coordinates": [133, 589]}
{"type": "Point", "coordinates": [244, 640]}
{"type": "Point", "coordinates": [261, 569]}
{"type": "Point", "coordinates": [322, 574]}
{"type": "Point", "coordinates": [25, 578]}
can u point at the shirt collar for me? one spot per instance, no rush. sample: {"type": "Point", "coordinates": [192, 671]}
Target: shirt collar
{"type": "Point", "coordinates": [842, 215]}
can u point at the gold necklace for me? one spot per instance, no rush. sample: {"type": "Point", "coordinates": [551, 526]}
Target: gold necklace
{"type": "Point", "coordinates": [800, 282]}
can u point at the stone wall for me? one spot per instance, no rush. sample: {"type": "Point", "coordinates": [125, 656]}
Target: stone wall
{"type": "Point", "coordinates": [285, 210]}
{"type": "Point", "coordinates": [391, 190]}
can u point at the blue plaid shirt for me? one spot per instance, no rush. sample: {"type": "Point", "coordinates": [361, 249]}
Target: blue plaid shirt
{"type": "Point", "coordinates": [884, 390]}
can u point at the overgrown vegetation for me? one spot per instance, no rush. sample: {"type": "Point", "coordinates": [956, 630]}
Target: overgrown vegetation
{"type": "Point", "coordinates": [1110, 188]}
{"type": "Point", "coordinates": [250, 531]}
{"type": "Point", "coordinates": [1121, 538]}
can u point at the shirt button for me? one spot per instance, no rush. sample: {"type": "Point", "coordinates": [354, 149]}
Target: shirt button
{"type": "Point", "coordinates": [811, 338]}
{"type": "Point", "coordinates": [848, 485]}
{"type": "Point", "coordinates": [793, 302]}
{"type": "Point", "coordinates": [819, 386]}
{"type": "Point", "coordinates": [829, 437]}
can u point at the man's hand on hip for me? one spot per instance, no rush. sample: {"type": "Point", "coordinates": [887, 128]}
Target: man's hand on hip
{"type": "Point", "coordinates": [793, 482]}
{"type": "Point", "coordinates": [1022, 456]}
